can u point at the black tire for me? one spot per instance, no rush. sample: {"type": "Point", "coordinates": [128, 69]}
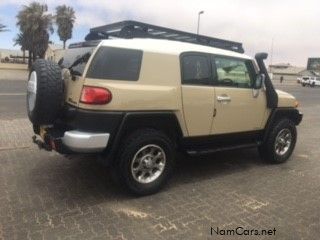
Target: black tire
{"type": "Point", "coordinates": [49, 96]}
{"type": "Point", "coordinates": [268, 150]}
{"type": "Point", "coordinates": [313, 84]}
{"type": "Point", "coordinates": [303, 84]}
{"type": "Point", "coordinates": [130, 147]}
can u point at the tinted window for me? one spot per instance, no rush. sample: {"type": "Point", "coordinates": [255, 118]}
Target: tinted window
{"type": "Point", "coordinates": [116, 64]}
{"type": "Point", "coordinates": [233, 72]}
{"type": "Point", "coordinates": [71, 56]}
{"type": "Point", "coordinates": [196, 70]}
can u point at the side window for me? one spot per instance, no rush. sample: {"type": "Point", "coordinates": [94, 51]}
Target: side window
{"type": "Point", "coordinates": [116, 64]}
{"type": "Point", "coordinates": [233, 72]}
{"type": "Point", "coordinates": [196, 70]}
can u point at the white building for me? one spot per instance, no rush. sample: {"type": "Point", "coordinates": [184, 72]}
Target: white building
{"type": "Point", "coordinates": [12, 56]}
{"type": "Point", "coordinates": [54, 52]}
{"type": "Point", "coordinates": [286, 71]}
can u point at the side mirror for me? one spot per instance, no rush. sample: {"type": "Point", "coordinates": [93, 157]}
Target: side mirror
{"type": "Point", "coordinates": [259, 81]}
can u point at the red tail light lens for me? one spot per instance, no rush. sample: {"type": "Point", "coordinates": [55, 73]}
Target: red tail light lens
{"type": "Point", "coordinates": [95, 95]}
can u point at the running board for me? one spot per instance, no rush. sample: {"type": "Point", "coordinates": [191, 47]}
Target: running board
{"type": "Point", "coordinates": [219, 149]}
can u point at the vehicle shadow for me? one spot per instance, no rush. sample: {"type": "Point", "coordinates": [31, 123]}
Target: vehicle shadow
{"type": "Point", "coordinates": [190, 169]}
{"type": "Point", "coordinates": [83, 180]}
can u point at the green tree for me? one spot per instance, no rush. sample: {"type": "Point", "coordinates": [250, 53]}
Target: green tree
{"type": "Point", "coordinates": [65, 18]}
{"type": "Point", "coordinates": [22, 41]}
{"type": "Point", "coordinates": [35, 24]}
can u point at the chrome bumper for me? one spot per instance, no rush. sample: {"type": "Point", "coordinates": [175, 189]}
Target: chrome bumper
{"type": "Point", "coordinates": [85, 142]}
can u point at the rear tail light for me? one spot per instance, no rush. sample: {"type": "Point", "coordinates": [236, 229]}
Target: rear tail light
{"type": "Point", "coordinates": [95, 95]}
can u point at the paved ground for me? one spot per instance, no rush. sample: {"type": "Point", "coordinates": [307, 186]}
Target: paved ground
{"type": "Point", "coordinates": [47, 196]}
{"type": "Point", "coordinates": [13, 85]}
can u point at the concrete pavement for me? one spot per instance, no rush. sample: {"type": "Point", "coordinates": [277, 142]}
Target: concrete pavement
{"type": "Point", "coordinates": [48, 196]}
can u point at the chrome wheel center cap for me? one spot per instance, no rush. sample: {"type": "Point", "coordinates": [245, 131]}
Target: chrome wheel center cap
{"type": "Point", "coordinates": [147, 162]}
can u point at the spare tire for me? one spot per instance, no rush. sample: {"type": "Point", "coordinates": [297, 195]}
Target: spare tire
{"type": "Point", "coordinates": [45, 95]}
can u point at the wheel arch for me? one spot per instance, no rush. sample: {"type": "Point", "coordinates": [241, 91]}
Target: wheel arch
{"type": "Point", "coordinates": [165, 122]}
{"type": "Point", "coordinates": [292, 114]}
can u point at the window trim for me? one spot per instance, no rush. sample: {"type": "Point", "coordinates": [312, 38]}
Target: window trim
{"type": "Point", "coordinates": [202, 54]}
{"type": "Point", "coordinates": [251, 70]}
{"type": "Point", "coordinates": [121, 48]}
{"type": "Point", "coordinates": [214, 74]}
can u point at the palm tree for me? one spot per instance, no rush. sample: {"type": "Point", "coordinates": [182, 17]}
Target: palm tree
{"type": "Point", "coordinates": [35, 23]}
{"type": "Point", "coordinates": [65, 18]}
{"type": "Point", "coordinates": [22, 40]}
{"type": "Point", "coordinates": [3, 28]}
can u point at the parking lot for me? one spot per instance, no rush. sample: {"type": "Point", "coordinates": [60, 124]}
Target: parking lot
{"type": "Point", "coordinates": [48, 196]}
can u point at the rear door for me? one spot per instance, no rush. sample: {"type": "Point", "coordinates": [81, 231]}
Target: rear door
{"type": "Point", "coordinates": [237, 109]}
{"type": "Point", "coordinates": [197, 93]}
{"type": "Point", "coordinates": [75, 60]}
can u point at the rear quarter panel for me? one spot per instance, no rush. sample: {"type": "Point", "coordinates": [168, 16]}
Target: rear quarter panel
{"type": "Point", "coordinates": [158, 88]}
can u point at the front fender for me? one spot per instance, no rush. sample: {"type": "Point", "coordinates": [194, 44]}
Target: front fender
{"type": "Point", "coordinates": [279, 113]}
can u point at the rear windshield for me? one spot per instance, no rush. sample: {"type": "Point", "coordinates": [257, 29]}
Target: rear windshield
{"type": "Point", "coordinates": [76, 59]}
{"type": "Point", "coordinates": [116, 64]}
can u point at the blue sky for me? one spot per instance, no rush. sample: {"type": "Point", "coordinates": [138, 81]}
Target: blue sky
{"type": "Point", "coordinates": [293, 25]}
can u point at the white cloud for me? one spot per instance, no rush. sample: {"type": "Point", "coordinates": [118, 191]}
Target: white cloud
{"type": "Point", "coordinates": [292, 24]}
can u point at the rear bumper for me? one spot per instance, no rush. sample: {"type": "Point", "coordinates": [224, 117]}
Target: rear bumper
{"type": "Point", "coordinates": [85, 142]}
{"type": "Point", "coordinates": [80, 131]}
{"type": "Point", "coordinates": [73, 141]}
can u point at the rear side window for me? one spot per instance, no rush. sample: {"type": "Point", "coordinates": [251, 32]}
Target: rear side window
{"type": "Point", "coordinates": [76, 59]}
{"type": "Point", "coordinates": [196, 69]}
{"type": "Point", "coordinates": [116, 64]}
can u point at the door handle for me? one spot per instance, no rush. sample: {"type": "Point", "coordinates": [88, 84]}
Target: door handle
{"type": "Point", "coordinates": [224, 98]}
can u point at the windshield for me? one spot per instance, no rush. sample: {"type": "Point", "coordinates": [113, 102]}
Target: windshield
{"type": "Point", "coordinates": [70, 57]}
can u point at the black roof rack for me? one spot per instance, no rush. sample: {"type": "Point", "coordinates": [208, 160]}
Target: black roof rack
{"type": "Point", "coordinates": [134, 29]}
{"type": "Point", "coordinates": [92, 43]}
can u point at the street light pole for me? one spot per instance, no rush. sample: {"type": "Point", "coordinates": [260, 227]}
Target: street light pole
{"type": "Point", "coordinates": [199, 13]}
{"type": "Point", "coordinates": [271, 57]}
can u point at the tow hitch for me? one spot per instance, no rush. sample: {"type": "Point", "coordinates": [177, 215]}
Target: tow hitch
{"type": "Point", "coordinates": [41, 144]}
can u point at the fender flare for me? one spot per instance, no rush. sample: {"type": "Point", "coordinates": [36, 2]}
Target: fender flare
{"type": "Point", "coordinates": [279, 113]}
{"type": "Point", "coordinates": [165, 121]}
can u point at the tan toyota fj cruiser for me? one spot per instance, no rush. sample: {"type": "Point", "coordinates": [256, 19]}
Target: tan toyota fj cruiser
{"type": "Point", "coordinates": [137, 100]}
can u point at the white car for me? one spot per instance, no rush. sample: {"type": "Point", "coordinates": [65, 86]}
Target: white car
{"type": "Point", "coordinates": [310, 81]}
{"type": "Point", "coordinates": [314, 81]}
{"type": "Point", "coordinates": [304, 81]}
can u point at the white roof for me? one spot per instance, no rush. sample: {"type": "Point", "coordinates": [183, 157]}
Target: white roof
{"type": "Point", "coordinates": [287, 70]}
{"type": "Point", "coordinates": [167, 47]}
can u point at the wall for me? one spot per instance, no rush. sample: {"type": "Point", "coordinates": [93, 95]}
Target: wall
{"type": "Point", "coordinates": [276, 77]}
